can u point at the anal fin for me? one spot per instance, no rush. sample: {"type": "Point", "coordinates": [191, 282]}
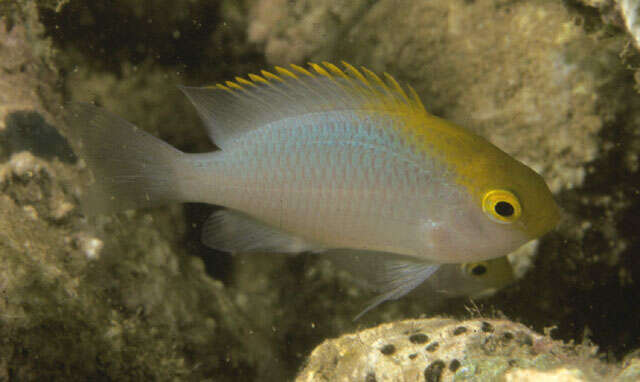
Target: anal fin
{"type": "Point", "coordinates": [235, 232]}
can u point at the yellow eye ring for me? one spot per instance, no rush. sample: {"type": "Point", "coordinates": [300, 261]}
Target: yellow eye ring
{"type": "Point", "coordinates": [479, 269]}
{"type": "Point", "coordinates": [501, 206]}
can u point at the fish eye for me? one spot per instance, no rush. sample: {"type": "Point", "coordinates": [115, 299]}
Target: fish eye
{"type": "Point", "coordinates": [504, 209]}
{"type": "Point", "coordinates": [476, 269]}
{"type": "Point", "coordinates": [501, 206]}
{"type": "Point", "coordinates": [479, 270]}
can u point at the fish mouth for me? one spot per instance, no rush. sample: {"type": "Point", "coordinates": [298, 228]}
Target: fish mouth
{"type": "Point", "coordinates": [555, 217]}
{"type": "Point", "coordinates": [548, 221]}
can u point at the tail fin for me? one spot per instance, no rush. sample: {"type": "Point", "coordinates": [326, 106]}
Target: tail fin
{"type": "Point", "coordinates": [131, 168]}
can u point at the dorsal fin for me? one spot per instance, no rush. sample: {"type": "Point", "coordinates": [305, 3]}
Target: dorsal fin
{"type": "Point", "coordinates": [235, 107]}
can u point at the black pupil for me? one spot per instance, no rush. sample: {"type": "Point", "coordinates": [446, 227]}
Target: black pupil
{"type": "Point", "coordinates": [504, 209]}
{"type": "Point", "coordinates": [479, 270]}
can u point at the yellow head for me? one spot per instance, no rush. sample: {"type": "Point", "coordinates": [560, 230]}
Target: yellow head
{"type": "Point", "coordinates": [476, 279]}
{"type": "Point", "coordinates": [507, 203]}
{"type": "Point", "coordinates": [487, 277]}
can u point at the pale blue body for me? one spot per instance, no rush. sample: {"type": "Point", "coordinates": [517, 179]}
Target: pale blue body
{"type": "Point", "coordinates": [333, 179]}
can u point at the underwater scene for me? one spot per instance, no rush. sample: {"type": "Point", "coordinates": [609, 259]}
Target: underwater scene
{"type": "Point", "coordinates": [328, 190]}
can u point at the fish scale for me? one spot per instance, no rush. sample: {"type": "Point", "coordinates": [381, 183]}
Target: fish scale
{"type": "Point", "coordinates": [323, 160]}
{"type": "Point", "coordinates": [334, 196]}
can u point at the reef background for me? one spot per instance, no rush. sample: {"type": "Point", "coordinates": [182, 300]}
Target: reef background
{"type": "Point", "coordinates": [135, 296]}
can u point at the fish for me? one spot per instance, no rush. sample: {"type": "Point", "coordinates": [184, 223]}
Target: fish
{"type": "Point", "coordinates": [474, 280]}
{"type": "Point", "coordinates": [325, 159]}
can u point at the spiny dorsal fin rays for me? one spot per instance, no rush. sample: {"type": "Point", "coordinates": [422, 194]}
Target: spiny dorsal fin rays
{"type": "Point", "coordinates": [260, 102]}
{"type": "Point", "coordinates": [320, 70]}
{"type": "Point", "coordinates": [271, 80]}
{"type": "Point", "coordinates": [229, 90]}
{"type": "Point", "coordinates": [308, 83]}
{"type": "Point", "coordinates": [232, 108]}
{"type": "Point", "coordinates": [356, 90]}
{"type": "Point", "coordinates": [285, 72]}
{"type": "Point", "coordinates": [335, 70]}
{"type": "Point", "coordinates": [375, 79]}
{"type": "Point", "coordinates": [354, 72]}
{"type": "Point", "coordinates": [389, 91]}
{"type": "Point", "coordinates": [302, 70]}
{"type": "Point", "coordinates": [239, 96]}
{"type": "Point", "coordinates": [233, 85]}
{"type": "Point", "coordinates": [416, 98]}
{"type": "Point", "coordinates": [242, 81]}
{"type": "Point", "coordinates": [271, 76]}
{"type": "Point", "coordinates": [291, 89]}
{"type": "Point", "coordinates": [397, 87]}
{"type": "Point", "coordinates": [351, 83]}
{"type": "Point", "coordinates": [330, 103]}
{"type": "Point", "coordinates": [257, 79]}
{"type": "Point", "coordinates": [386, 96]}
{"type": "Point", "coordinates": [357, 75]}
{"type": "Point", "coordinates": [268, 79]}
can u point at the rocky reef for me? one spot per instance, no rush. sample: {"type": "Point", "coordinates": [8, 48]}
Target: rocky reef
{"type": "Point", "coordinates": [135, 296]}
{"type": "Point", "coordinates": [116, 298]}
{"type": "Point", "coordinates": [439, 349]}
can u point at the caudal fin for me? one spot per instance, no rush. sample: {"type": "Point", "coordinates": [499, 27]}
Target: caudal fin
{"type": "Point", "coordinates": [131, 168]}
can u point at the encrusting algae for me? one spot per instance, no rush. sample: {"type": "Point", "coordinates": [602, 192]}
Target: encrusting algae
{"type": "Point", "coordinates": [326, 160]}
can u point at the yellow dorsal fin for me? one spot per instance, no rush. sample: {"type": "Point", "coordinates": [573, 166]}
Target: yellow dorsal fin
{"type": "Point", "coordinates": [375, 79]}
{"type": "Point", "coordinates": [271, 76]}
{"type": "Point", "coordinates": [335, 70]}
{"type": "Point", "coordinates": [398, 89]}
{"type": "Point", "coordinates": [233, 85]}
{"type": "Point", "coordinates": [256, 78]}
{"type": "Point", "coordinates": [367, 83]}
{"type": "Point", "coordinates": [295, 91]}
{"type": "Point", "coordinates": [302, 70]}
{"type": "Point", "coordinates": [415, 98]}
{"type": "Point", "coordinates": [356, 73]}
{"type": "Point", "coordinates": [285, 72]}
{"type": "Point", "coordinates": [319, 69]}
{"type": "Point", "coordinates": [244, 82]}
